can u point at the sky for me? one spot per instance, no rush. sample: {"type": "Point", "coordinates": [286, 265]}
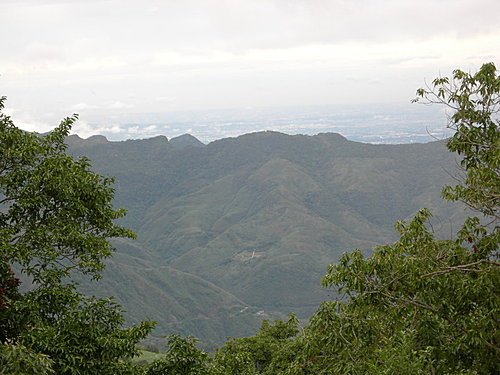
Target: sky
{"type": "Point", "coordinates": [111, 60]}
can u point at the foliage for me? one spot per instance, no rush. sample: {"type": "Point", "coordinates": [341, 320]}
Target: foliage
{"type": "Point", "coordinates": [56, 216]}
{"type": "Point", "coordinates": [17, 359]}
{"type": "Point", "coordinates": [9, 292]}
{"type": "Point", "coordinates": [181, 358]}
{"type": "Point", "coordinates": [87, 336]}
{"type": "Point", "coordinates": [260, 354]}
{"type": "Point", "coordinates": [421, 305]}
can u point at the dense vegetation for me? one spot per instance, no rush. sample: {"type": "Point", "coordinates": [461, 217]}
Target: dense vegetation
{"type": "Point", "coordinates": [422, 305]}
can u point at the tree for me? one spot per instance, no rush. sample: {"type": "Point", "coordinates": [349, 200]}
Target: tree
{"type": "Point", "coordinates": [418, 306]}
{"type": "Point", "coordinates": [181, 358]}
{"type": "Point", "coordinates": [268, 352]}
{"type": "Point", "coordinates": [56, 217]}
{"type": "Point", "coordinates": [475, 101]}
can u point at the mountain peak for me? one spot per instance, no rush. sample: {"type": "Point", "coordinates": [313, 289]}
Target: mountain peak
{"type": "Point", "coordinates": [97, 139]}
{"type": "Point", "coordinates": [186, 140]}
{"type": "Point", "coordinates": [75, 140]}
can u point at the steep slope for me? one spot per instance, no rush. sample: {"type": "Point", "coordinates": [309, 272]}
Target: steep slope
{"type": "Point", "coordinates": [180, 302]}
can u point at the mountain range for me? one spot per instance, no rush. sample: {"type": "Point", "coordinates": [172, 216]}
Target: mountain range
{"type": "Point", "coordinates": [244, 228]}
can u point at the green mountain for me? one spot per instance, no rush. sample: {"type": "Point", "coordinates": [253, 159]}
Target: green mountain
{"type": "Point", "coordinates": [244, 228]}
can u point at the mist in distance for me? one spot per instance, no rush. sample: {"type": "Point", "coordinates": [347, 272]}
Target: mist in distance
{"type": "Point", "coordinates": [386, 123]}
{"type": "Point", "coordinates": [135, 69]}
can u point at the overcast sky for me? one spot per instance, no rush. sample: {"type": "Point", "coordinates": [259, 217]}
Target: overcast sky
{"type": "Point", "coordinates": [102, 58]}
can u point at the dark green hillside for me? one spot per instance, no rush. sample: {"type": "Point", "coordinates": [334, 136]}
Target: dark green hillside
{"type": "Point", "coordinates": [180, 301]}
{"type": "Point", "coordinates": [145, 170]}
{"type": "Point", "coordinates": [252, 221]}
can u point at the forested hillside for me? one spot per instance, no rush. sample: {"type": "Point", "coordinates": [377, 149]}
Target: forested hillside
{"type": "Point", "coordinates": [242, 229]}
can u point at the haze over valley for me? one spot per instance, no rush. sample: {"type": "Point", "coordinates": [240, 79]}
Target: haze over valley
{"type": "Point", "coordinates": [383, 123]}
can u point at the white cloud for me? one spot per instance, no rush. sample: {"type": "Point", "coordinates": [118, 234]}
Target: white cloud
{"type": "Point", "coordinates": [33, 124]}
{"type": "Point", "coordinates": [83, 106]}
{"type": "Point", "coordinates": [120, 105]}
{"type": "Point", "coordinates": [164, 99]}
{"type": "Point", "coordinates": [85, 129]}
